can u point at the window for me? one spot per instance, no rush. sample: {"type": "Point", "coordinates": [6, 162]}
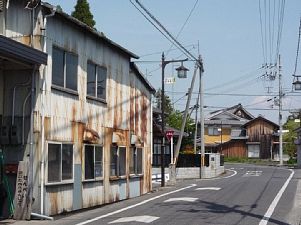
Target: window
{"type": "Point", "coordinates": [60, 162]}
{"type": "Point", "coordinates": [93, 162]}
{"type": "Point", "coordinates": [118, 161]}
{"type": "Point", "coordinates": [136, 159]}
{"type": "Point", "coordinates": [96, 81]}
{"type": "Point", "coordinates": [213, 131]}
{"type": "Point", "coordinates": [64, 69]}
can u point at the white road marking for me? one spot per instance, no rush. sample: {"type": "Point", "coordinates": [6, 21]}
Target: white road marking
{"type": "Point", "coordinates": [234, 173]}
{"type": "Point", "coordinates": [256, 173]}
{"type": "Point", "coordinates": [184, 199]}
{"type": "Point", "coordinates": [217, 178]}
{"type": "Point", "coordinates": [133, 206]}
{"type": "Point", "coordinates": [141, 219]}
{"type": "Point", "coordinates": [274, 203]}
{"type": "Point", "coordinates": [208, 188]}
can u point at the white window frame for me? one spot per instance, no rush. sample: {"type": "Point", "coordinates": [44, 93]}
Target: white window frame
{"type": "Point", "coordinates": [67, 181]}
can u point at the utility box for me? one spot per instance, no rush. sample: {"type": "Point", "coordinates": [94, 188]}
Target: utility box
{"type": "Point", "coordinates": [4, 135]}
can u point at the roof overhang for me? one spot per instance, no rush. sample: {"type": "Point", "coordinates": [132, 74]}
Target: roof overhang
{"type": "Point", "coordinates": [15, 51]}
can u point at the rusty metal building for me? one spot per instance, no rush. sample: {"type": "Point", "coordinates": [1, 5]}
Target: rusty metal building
{"type": "Point", "coordinates": [77, 113]}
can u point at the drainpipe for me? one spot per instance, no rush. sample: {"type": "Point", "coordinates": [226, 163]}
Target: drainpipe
{"type": "Point", "coordinates": [27, 83]}
{"type": "Point", "coordinates": [23, 117]}
{"type": "Point", "coordinates": [31, 142]}
{"type": "Point", "coordinates": [42, 169]}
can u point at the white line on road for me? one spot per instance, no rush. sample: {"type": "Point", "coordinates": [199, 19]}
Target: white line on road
{"type": "Point", "coordinates": [133, 206]}
{"type": "Point", "coordinates": [208, 188]}
{"type": "Point", "coordinates": [274, 203]}
{"type": "Point", "coordinates": [141, 219]}
{"type": "Point", "coordinates": [184, 199]}
{"type": "Point", "coordinates": [234, 173]}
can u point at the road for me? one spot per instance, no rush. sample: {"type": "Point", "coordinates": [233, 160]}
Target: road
{"type": "Point", "coordinates": [246, 195]}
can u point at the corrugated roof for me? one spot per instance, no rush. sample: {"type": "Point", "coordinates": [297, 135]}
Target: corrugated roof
{"type": "Point", "coordinates": [89, 29]}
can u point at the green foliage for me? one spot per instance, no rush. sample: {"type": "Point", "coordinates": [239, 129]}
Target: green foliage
{"type": "Point", "coordinates": [59, 8]}
{"type": "Point", "coordinates": [289, 138]}
{"type": "Point", "coordinates": [175, 119]}
{"type": "Point", "coordinates": [82, 13]}
{"type": "Point", "coordinates": [168, 108]}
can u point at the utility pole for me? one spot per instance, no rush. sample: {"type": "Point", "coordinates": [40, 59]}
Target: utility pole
{"type": "Point", "coordinates": [181, 69]}
{"type": "Point", "coordinates": [280, 116]}
{"type": "Point", "coordinates": [201, 71]}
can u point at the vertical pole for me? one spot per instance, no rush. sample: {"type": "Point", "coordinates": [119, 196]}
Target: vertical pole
{"type": "Point", "coordinates": [163, 125]}
{"type": "Point", "coordinates": [171, 149]}
{"type": "Point", "coordinates": [221, 136]}
{"type": "Point", "coordinates": [202, 120]}
{"type": "Point", "coordinates": [280, 117]}
{"type": "Point", "coordinates": [196, 117]}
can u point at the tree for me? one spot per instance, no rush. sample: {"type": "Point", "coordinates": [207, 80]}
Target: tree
{"type": "Point", "coordinates": [175, 120]}
{"type": "Point", "coordinates": [168, 108]}
{"type": "Point", "coordinates": [289, 137]}
{"type": "Point", "coordinates": [82, 13]}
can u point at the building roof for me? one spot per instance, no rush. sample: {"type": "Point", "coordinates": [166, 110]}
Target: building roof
{"type": "Point", "coordinates": [134, 68]}
{"type": "Point", "coordinates": [263, 119]}
{"type": "Point", "coordinates": [16, 51]}
{"type": "Point", "coordinates": [237, 110]}
{"type": "Point", "coordinates": [89, 29]}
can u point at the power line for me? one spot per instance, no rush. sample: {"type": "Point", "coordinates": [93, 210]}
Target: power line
{"type": "Point", "coordinates": [187, 19]}
{"type": "Point", "coordinates": [174, 40]}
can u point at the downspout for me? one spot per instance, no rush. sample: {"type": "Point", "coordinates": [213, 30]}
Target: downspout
{"type": "Point", "coordinates": [43, 118]}
{"type": "Point", "coordinates": [31, 138]}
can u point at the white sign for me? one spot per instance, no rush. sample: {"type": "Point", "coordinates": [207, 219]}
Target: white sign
{"type": "Point", "coordinates": [170, 80]}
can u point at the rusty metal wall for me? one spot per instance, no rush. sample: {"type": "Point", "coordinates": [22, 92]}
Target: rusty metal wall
{"type": "Point", "coordinates": [59, 199]}
{"type": "Point", "coordinates": [67, 117]}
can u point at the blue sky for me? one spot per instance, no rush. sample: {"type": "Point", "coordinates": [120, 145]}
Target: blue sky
{"type": "Point", "coordinates": [228, 34]}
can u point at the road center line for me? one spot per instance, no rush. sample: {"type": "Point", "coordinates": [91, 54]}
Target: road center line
{"type": "Point", "coordinates": [133, 206]}
{"type": "Point", "coordinates": [274, 203]}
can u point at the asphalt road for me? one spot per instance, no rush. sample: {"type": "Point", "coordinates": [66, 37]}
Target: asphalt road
{"type": "Point", "coordinates": [246, 195]}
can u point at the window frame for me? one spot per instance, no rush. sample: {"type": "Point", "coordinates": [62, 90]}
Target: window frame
{"type": "Point", "coordinates": [102, 162]}
{"type": "Point", "coordinates": [117, 163]}
{"type": "Point", "coordinates": [62, 181]}
{"type": "Point", "coordinates": [136, 172]}
{"type": "Point", "coordinates": [95, 76]}
{"type": "Point", "coordinates": [214, 130]}
{"type": "Point", "coordinates": [64, 87]}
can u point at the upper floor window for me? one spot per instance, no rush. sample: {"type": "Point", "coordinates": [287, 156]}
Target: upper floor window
{"type": "Point", "coordinates": [213, 131]}
{"type": "Point", "coordinates": [64, 69]}
{"type": "Point", "coordinates": [96, 81]}
{"type": "Point", "coordinates": [60, 162]}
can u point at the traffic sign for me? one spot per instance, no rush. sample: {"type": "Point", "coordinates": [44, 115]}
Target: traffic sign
{"type": "Point", "coordinates": [169, 134]}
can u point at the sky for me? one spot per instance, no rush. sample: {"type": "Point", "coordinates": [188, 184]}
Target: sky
{"type": "Point", "coordinates": [234, 38]}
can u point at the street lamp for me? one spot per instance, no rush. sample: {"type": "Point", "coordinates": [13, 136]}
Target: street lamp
{"type": "Point", "coordinates": [181, 72]}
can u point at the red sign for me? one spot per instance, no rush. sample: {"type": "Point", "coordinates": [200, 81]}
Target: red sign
{"type": "Point", "coordinates": [169, 134]}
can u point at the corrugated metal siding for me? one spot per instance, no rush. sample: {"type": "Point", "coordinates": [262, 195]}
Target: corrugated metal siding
{"type": "Point", "coordinates": [127, 111]}
{"type": "Point", "coordinates": [59, 199]}
{"type": "Point", "coordinates": [93, 194]}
